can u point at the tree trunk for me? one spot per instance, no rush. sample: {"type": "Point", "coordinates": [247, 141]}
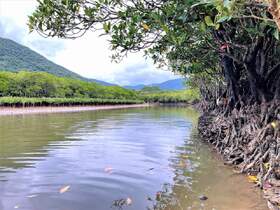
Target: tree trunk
{"type": "Point", "coordinates": [228, 66]}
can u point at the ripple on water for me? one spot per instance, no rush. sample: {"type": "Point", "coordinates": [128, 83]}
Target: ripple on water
{"type": "Point", "coordinates": [150, 156]}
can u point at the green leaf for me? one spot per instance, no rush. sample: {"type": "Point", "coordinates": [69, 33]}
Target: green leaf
{"type": "Point", "coordinates": [203, 26]}
{"type": "Point", "coordinates": [217, 26]}
{"type": "Point", "coordinates": [208, 21]}
{"type": "Point", "coordinates": [276, 34]}
{"type": "Point", "coordinates": [223, 19]}
{"type": "Point", "coordinates": [107, 27]}
{"type": "Point", "coordinates": [165, 28]}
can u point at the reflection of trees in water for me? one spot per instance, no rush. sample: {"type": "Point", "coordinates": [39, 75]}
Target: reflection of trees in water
{"type": "Point", "coordinates": [26, 139]}
{"type": "Point", "coordinates": [184, 192]}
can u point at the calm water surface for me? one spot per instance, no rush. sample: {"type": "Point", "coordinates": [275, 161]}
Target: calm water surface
{"type": "Point", "coordinates": [147, 158]}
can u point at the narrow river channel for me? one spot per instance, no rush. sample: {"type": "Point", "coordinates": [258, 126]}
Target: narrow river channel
{"type": "Point", "coordinates": [142, 158]}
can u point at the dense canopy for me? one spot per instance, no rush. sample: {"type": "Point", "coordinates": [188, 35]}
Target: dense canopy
{"type": "Point", "coordinates": [230, 48]}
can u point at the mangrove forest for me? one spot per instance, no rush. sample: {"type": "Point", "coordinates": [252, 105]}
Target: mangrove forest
{"type": "Point", "coordinates": [229, 49]}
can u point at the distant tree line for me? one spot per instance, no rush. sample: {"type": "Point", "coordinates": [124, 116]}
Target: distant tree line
{"type": "Point", "coordinates": [179, 96]}
{"type": "Point", "coordinates": [41, 84]}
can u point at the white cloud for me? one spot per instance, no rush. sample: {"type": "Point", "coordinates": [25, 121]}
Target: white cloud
{"type": "Point", "coordinates": [88, 56]}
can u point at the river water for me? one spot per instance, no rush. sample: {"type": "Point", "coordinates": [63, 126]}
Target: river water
{"type": "Point", "coordinates": [144, 158]}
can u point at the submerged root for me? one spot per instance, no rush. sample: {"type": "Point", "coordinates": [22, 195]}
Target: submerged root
{"type": "Point", "coordinates": [250, 139]}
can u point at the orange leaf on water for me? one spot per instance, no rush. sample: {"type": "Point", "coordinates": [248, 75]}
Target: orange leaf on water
{"type": "Point", "coordinates": [253, 178]}
{"type": "Point", "coordinates": [64, 189]}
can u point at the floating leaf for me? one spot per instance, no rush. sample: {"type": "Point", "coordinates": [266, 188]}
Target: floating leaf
{"type": "Point", "coordinates": [128, 201]}
{"type": "Point", "coordinates": [184, 156]}
{"type": "Point", "coordinates": [253, 178]}
{"type": "Point", "coordinates": [64, 189]}
{"type": "Point", "coordinates": [108, 170]}
{"type": "Point", "coordinates": [32, 196]}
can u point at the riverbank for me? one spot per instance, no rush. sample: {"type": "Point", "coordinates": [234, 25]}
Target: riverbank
{"type": "Point", "coordinates": [62, 109]}
{"type": "Point", "coordinates": [249, 140]}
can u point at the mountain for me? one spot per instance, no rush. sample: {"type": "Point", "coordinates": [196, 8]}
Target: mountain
{"type": "Point", "coordinates": [174, 84]}
{"type": "Point", "coordinates": [15, 57]}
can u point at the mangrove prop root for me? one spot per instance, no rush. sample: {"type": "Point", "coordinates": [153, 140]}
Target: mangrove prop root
{"type": "Point", "coordinates": [250, 139]}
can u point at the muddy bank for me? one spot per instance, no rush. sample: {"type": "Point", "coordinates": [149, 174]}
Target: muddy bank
{"type": "Point", "coordinates": [64, 109]}
{"type": "Point", "coordinates": [249, 139]}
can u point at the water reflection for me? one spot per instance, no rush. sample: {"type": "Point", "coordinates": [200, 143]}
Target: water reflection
{"type": "Point", "coordinates": [148, 158]}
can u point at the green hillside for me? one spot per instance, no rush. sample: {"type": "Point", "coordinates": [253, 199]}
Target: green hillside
{"type": "Point", "coordinates": [15, 57]}
{"type": "Point", "coordinates": [42, 84]}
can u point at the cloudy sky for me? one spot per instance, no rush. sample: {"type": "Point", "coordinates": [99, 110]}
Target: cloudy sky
{"type": "Point", "coordinates": [88, 56]}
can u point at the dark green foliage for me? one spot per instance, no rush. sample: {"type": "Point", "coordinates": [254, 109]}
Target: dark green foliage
{"type": "Point", "coordinates": [27, 102]}
{"type": "Point", "coordinates": [41, 84]}
{"type": "Point", "coordinates": [234, 42]}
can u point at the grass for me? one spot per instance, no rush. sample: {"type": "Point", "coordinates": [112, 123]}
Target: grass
{"type": "Point", "coordinates": [27, 102]}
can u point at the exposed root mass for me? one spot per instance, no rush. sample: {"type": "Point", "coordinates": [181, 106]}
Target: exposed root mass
{"type": "Point", "coordinates": [250, 139]}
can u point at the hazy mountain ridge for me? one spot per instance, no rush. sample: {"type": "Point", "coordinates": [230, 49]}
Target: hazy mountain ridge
{"type": "Point", "coordinates": [15, 57]}
{"type": "Point", "coordinates": [174, 84]}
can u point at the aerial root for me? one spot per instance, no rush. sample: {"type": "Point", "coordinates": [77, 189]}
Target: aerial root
{"type": "Point", "coordinates": [250, 139]}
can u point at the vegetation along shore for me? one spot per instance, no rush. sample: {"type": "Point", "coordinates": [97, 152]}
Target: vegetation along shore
{"type": "Point", "coordinates": [63, 109]}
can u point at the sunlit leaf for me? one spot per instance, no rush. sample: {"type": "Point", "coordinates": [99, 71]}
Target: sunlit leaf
{"type": "Point", "coordinates": [274, 124]}
{"type": "Point", "coordinates": [267, 165]}
{"type": "Point", "coordinates": [209, 21]}
{"type": "Point", "coordinates": [145, 26]}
